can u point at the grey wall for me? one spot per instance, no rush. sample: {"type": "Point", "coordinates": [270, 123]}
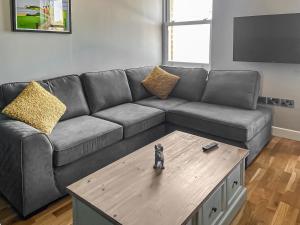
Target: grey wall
{"type": "Point", "coordinates": [279, 80]}
{"type": "Point", "coordinates": [106, 34]}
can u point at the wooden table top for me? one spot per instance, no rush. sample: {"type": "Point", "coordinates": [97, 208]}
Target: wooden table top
{"type": "Point", "coordinates": [130, 192]}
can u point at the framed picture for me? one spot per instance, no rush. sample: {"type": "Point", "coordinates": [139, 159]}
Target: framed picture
{"type": "Point", "coordinates": [52, 16]}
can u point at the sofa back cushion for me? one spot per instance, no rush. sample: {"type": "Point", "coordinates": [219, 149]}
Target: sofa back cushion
{"type": "Point", "coordinates": [135, 77]}
{"type": "Point", "coordinates": [2, 102]}
{"type": "Point", "coordinates": [11, 90]}
{"type": "Point", "coordinates": [69, 90]}
{"type": "Point", "coordinates": [106, 89]}
{"type": "Point", "coordinates": [192, 83]}
{"type": "Point", "coordinates": [233, 88]}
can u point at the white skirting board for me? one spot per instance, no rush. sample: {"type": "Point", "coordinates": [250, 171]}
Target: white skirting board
{"type": "Point", "coordinates": [286, 133]}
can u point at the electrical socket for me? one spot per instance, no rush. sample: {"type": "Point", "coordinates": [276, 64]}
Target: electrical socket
{"type": "Point", "coordinates": [287, 103]}
{"type": "Point", "coordinates": [262, 100]}
{"type": "Point", "coordinates": [273, 101]}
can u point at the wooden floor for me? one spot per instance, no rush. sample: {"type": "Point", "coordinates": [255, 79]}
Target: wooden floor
{"type": "Point", "coordinates": [273, 183]}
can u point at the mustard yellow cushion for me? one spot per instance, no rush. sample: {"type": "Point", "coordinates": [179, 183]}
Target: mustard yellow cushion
{"type": "Point", "coordinates": [160, 83]}
{"type": "Point", "coordinates": [36, 107]}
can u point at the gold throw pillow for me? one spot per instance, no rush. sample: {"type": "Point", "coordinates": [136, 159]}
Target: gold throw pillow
{"type": "Point", "coordinates": [36, 107]}
{"type": "Point", "coordinates": [160, 83]}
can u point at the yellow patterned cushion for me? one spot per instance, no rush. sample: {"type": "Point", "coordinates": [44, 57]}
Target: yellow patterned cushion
{"type": "Point", "coordinates": [36, 107]}
{"type": "Point", "coordinates": [160, 83]}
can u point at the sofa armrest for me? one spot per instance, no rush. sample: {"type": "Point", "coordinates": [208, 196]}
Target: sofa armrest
{"type": "Point", "coordinates": [26, 171]}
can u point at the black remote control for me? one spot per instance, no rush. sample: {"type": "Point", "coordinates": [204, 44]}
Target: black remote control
{"type": "Point", "coordinates": [210, 146]}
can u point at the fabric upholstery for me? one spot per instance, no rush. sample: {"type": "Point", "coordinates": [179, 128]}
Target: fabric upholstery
{"type": "Point", "coordinates": [255, 145]}
{"type": "Point", "coordinates": [134, 118]}
{"type": "Point", "coordinates": [26, 171]}
{"type": "Point", "coordinates": [78, 137]}
{"type": "Point", "coordinates": [3, 117]}
{"type": "Point", "coordinates": [68, 174]}
{"type": "Point", "coordinates": [36, 107]}
{"type": "Point", "coordinates": [160, 83]}
{"type": "Point", "coordinates": [2, 102]}
{"type": "Point", "coordinates": [227, 122]}
{"type": "Point", "coordinates": [192, 83]}
{"type": "Point", "coordinates": [165, 105]}
{"type": "Point", "coordinates": [258, 142]}
{"type": "Point", "coordinates": [66, 88]}
{"type": "Point", "coordinates": [11, 90]}
{"type": "Point", "coordinates": [106, 89]}
{"type": "Point", "coordinates": [135, 77]}
{"type": "Point", "coordinates": [69, 90]}
{"type": "Point", "coordinates": [33, 172]}
{"type": "Point", "coordinates": [233, 88]}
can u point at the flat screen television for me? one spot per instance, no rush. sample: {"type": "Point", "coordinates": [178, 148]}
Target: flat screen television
{"type": "Point", "coordinates": [268, 38]}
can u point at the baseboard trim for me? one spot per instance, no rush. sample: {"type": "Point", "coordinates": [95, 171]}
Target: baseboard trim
{"type": "Point", "coordinates": [286, 133]}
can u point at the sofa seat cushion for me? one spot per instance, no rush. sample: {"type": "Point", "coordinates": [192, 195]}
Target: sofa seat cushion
{"type": "Point", "coordinates": [165, 105]}
{"type": "Point", "coordinates": [223, 121]}
{"type": "Point", "coordinates": [78, 137]}
{"type": "Point", "coordinates": [134, 118]}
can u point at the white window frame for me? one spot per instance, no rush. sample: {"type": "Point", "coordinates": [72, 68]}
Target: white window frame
{"type": "Point", "coordinates": [167, 23]}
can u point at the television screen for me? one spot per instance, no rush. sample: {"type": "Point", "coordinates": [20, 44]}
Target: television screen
{"type": "Point", "coordinates": [269, 38]}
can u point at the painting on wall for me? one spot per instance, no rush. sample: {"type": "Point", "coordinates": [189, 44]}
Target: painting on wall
{"type": "Point", "coordinates": [42, 15]}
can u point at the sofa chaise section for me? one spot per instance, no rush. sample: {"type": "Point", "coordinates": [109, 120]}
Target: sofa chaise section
{"type": "Point", "coordinates": [227, 122]}
{"type": "Point", "coordinates": [240, 127]}
{"type": "Point", "coordinates": [228, 111]}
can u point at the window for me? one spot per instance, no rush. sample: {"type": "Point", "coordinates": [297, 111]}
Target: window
{"type": "Point", "coordinates": [187, 29]}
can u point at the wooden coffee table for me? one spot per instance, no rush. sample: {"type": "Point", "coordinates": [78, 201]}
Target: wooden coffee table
{"type": "Point", "coordinates": [195, 187]}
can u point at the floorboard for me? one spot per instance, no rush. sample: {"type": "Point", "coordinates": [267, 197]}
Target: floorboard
{"type": "Point", "coordinates": [273, 183]}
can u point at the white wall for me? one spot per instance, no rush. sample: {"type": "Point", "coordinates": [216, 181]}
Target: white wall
{"type": "Point", "coordinates": [279, 80]}
{"type": "Point", "coordinates": [106, 34]}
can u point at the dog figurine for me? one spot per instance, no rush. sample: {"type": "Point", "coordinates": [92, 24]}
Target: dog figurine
{"type": "Point", "coordinates": [159, 157]}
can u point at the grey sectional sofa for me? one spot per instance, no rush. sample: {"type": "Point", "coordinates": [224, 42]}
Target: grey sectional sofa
{"type": "Point", "coordinates": [110, 114]}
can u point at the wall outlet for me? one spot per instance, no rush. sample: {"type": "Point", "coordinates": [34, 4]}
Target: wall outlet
{"type": "Point", "coordinates": [273, 101]}
{"type": "Point", "coordinates": [287, 103]}
{"type": "Point", "coordinates": [262, 100]}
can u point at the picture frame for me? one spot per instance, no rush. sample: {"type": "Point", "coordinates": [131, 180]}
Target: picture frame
{"type": "Point", "coordinates": [46, 16]}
